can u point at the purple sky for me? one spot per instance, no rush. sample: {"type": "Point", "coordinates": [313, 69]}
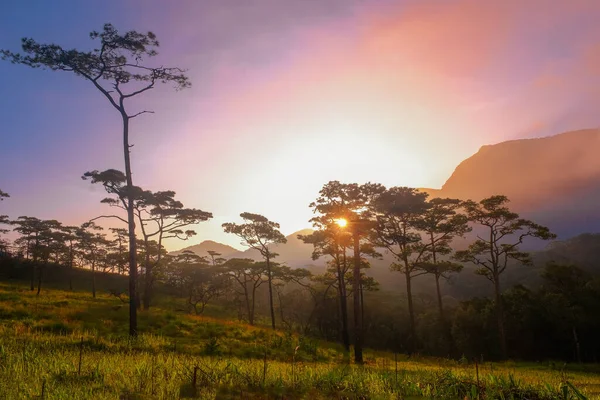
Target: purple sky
{"type": "Point", "coordinates": [288, 94]}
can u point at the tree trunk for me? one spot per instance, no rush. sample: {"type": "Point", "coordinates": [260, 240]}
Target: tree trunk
{"type": "Point", "coordinates": [362, 303]}
{"type": "Point", "coordinates": [251, 314]}
{"type": "Point", "coordinates": [34, 266]}
{"type": "Point", "coordinates": [190, 297]}
{"type": "Point", "coordinates": [131, 228]}
{"type": "Point", "coordinates": [71, 265]}
{"type": "Point", "coordinates": [149, 284]}
{"type": "Point", "coordinates": [93, 280]}
{"type": "Point", "coordinates": [358, 354]}
{"type": "Point", "coordinates": [138, 297]}
{"type": "Point", "coordinates": [39, 288]}
{"type": "Point", "coordinates": [32, 282]}
{"type": "Point", "coordinates": [437, 280]}
{"type": "Point", "coordinates": [577, 347]}
{"type": "Point", "coordinates": [411, 311]}
{"type": "Point", "coordinates": [250, 311]}
{"type": "Point", "coordinates": [439, 299]}
{"type": "Point", "coordinates": [343, 304]}
{"type": "Point", "coordinates": [147, 278]}
{"type": "Point", "coordinates": [500, 316]}
{"type": "Point", "coordinates": [270, 278]}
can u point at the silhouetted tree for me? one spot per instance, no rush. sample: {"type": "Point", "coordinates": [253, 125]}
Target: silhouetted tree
{"type": "Point", "coordinates": [505, 232]}
{"type": "Point", "coordinates": [116, 183]}
{"type": "Point", "coordinates": [34, 232]}
{"type": "Point", "coordinates": [569, 287]}
{"type": "Point", "coordinates": [69, 236]}
{"type": "Point", "coordinates": [248, 275]}
{"type": "Point", "coordinates": [117, 70]}
{"type": "Point", "coordinates": [440, 224]}
{"type": "Point", "coordinates": [201, 281]}
{"type": "Point", "coordinates": [258, 233]}
{"type": "Point", "coordinates": [330, 240]}
{"type": "Point", "coordinates": [120, 241]}
{"type": "Point", "coordinates": [162, 217]}
{"type": "Point", "coordinates": [3, 221]}
{"type": "Point", "coordinates": [91, 245]}
{"type": "Point", "coordinates": [215, 257]}
{"type": "Point", "coordinates": [350, 203]}
{"type": "Point", "coordinates": [398, 211]}
{"type": "Point", "coordinates": [334, 201]}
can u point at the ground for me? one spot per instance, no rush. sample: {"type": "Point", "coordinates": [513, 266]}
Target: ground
{"type": "Point", "coordinates": [67, 345]}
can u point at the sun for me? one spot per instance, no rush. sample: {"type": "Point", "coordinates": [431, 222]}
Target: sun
{"type": "Point", "coordinates": [341, 222]}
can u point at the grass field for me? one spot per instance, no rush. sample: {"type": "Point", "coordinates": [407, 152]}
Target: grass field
{"type": "Point", "coordinates": [66, 345]}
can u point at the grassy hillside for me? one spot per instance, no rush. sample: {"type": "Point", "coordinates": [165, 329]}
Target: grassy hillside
{"type": "Point", "coordinates": [66, 345]}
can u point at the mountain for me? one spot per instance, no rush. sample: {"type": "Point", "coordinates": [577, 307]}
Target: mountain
{"type": "Point", "coordinates": [202, 249]}
{"type": "Point", "coordinates": [294, 253]}
{"type": "Point", "coordinates": [553, 180]}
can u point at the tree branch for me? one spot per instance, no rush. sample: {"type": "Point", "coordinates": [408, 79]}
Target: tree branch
{"type": "Point", "coordinates": [140, 113]}
{"type": "Point", "coordinates": [108, 216]}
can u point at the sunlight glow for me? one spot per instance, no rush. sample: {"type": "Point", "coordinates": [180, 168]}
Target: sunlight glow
{"type": "Point", "coordinates": [341, 222]}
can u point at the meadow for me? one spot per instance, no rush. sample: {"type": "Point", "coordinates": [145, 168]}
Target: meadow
{"type": "Point", "coordinates": [67, 345]}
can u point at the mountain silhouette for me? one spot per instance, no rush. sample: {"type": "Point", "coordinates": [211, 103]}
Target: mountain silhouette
{"type": "Point", "coordinates": [202, 249]}
{"type": "Point", "coordinates": [294, 253]}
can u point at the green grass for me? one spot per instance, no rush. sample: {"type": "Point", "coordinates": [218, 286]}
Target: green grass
{"type": "Point", "coordinates": [41, 340]}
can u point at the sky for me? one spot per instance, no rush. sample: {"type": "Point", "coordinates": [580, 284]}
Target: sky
{"type": "Point", "coordinates": [289, 94]}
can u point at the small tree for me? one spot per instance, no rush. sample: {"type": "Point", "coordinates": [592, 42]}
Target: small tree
{"type": "Point", "coordinates": [192, 274]}
{"type": "Point", "coordinates": [440, 224]}
{"type": "Point", "coordinates": [91, 246]}
{"type": "Point", "coordinates": [570, 291]}
{"type": "Point", "coordinates": [70, 238]}
{"type": "Point", "coordinates": [3, 221]}
{"type": "Point", "coordinates": [116, 69]}
{"type": "Point", "coordinates": [118, 256]}
{"type": "Point", "coordinates": [258, 233]}
{"type": "Point", "coordinates": [50, 242]}
{"type": "Point", "coordinates": [115, 182]}
{"type": "Point", "coordinates": [215, 257]}
{"type": "Point", "coordinates": [330, 240]}
{"type": "Point", "coordinates": [249, 276]}
{"type": "Point", "coordinates": [505, 232]}
{"type": "Point", "coordinates": [284, 278]}
{"type": "Point", "coordinates": [36, 234]}
{"type": "Point", "coordinates": [162, 217]}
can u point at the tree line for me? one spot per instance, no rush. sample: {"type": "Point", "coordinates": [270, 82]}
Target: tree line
{"type": "Point", "coordinates": [353, 225]}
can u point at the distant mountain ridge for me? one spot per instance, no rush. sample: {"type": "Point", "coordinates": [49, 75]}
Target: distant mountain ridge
{"type": "Point", "coordinates": [294, 253]}
{"type": "Point", "coordinates": [554, 180]}
{"type": "Point", "coordinates": [202, 249]}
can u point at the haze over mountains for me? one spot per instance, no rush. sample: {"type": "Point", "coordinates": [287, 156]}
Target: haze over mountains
{"type": "Point", "coordinates": [554, 180]}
